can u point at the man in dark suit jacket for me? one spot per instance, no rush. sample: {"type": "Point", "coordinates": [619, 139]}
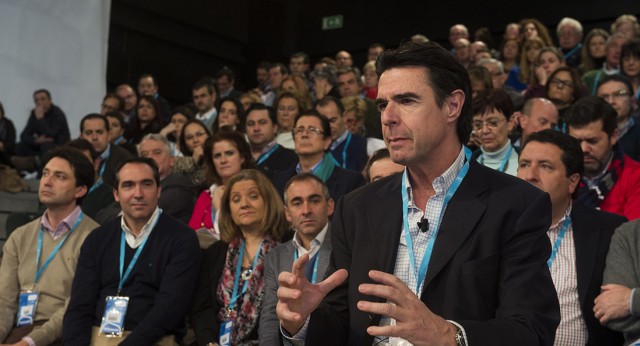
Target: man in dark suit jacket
{"type": "Point", "coordinates": [261, 129]}
{"type": "Point", "coordinates": [95, 129]}
{"type": "Point", "coordinates": [312, 137]}
{"type": "Point", "coordinates": [307, 207]}
{"type": "Point", "coordinates": [552, 161]}
{"type": "Point", "coordinates": [486, 282]}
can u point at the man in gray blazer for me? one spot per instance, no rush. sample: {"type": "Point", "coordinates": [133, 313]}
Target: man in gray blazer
{"type": "Point", "coordinates": [307, 207]}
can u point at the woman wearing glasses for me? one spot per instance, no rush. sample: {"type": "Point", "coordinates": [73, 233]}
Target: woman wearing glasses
{"type": "Point", "coordinates": [564, 88]}
{"type": "Point", "coordinates": [230, 289]}
{"type": "Point", "coordinates": [225, 154]}
{"type": "Point", "coordinates": [492, 122]}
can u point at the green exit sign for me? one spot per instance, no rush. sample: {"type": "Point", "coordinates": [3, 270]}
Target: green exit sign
{"type": "Point", "coordinates": [332, 22]}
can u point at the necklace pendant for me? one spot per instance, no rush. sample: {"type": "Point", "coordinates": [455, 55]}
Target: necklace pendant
{"type": "Point", "coordinates": [246, 274]}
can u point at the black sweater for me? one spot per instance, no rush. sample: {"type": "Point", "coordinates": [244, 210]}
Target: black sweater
{"type": "Point", "coordinates": [159, 288]}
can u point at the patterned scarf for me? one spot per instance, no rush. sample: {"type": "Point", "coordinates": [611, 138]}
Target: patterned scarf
{"type": "Point", "coordinates": [592, 197]}
{"type": "Point", "coordinates": [248, 306]}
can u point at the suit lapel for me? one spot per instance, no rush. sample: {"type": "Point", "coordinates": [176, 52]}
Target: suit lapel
{"type": "Point", "coordinates": [324, 253]}
{"type": "Point", "coordinates": [385, 223]}
{"type": "Point", "coordinates": [586, 245]}
{"type": "Point", "coordinates": [462, 214]}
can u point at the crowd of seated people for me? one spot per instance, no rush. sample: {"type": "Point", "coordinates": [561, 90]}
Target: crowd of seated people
{"type": "Point", "coordinates": [253, 169]}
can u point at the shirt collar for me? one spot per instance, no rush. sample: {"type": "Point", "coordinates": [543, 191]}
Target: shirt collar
{"type": "Point", "coordinates": [442, 183]}
{"type": "Point", "coordinates": [316, 243]}
{"type": "Point", "coordinates": [267, 147]}
{"type": "Point", "coordinates": [207, 115]}
{"type": "Point", "coordinates": [105, 154]}
{"type": "Point", "coordinates": [65, 224]}
{"type": "Point", "coordinates": [339, 140]}
{"type": "Point", "coordinates": [134, 241]}
{"type": "Point", "coordinates": [556, 227]}
{"type": "Point", "coordinates": [299, 168]}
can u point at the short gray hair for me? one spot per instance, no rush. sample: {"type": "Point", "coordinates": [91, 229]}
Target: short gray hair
{"type": "Point", "coordinates": [569, 21]}
{"type": "Point", "coordinates": [492, 61]}
{"type": "Point", "coordinates": [158, 138]}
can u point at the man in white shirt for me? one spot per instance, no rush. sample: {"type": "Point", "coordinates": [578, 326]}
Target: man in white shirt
{"type": "Point", "coordinates": [205, 95]}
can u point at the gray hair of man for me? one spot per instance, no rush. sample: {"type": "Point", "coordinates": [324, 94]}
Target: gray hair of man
{"type": "Point", "coordinates": [571, 22]}
{"type": "Point", "coordinates": [158, 138]}
{"type": "Point", "coordinates": [353, 70]}
{"type": "Point", "coordinates": [328, 73]}
{"type": "Point", "coordinates": [488, 61]}
{"type": "Point", "coordinates": [613, 37]}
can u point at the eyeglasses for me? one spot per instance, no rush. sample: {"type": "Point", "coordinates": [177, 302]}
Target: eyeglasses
{"type": "Point", "coordinates": [310, 130]}
{"type": "Point", "coordinates": [615, 95]}
{"type": "Point", "coordinates": [559, 83]}
{"type": "Point", "coordinates": [491, 124]}
{"type": "Point", "coordinates": [197, 134]}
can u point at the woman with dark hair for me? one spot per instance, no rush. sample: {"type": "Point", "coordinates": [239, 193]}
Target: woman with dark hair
{"type": "Point", "coordinates": [630, 64]}
{"type": "Point", "coordinates": [564, 89]}
{"type": "Point", "coordinates": [231, 113]}
{"type": "Point", "coordinates": [192, 137]}
{"type": "Point", "coordinates": [593, 50]}
{"type": "Point", "coordinates": [147, 119]}
{"type": "Point", "coordinates": [226, 153]}
{"type": "Point", "coordinates": [7, 138]}
{"type": "Point", "coordinates": [178, 118]}
{"type": "Point", "coordinates": [230, 288]}
{"type": "Point", "coordinates": [509, 55]}
{"type": "Point", "coordinates": [492, 122]}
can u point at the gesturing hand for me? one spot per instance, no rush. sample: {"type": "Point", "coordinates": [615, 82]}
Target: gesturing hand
{"type": "Point", "coordinates": [297, 297]}
{"type": "Point", "coordinates": [414, 321]}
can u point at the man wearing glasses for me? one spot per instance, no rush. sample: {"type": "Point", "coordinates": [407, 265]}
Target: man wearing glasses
{"type": "Point", "coordinates": [618, 92]}
{"type": "Point", "coordinates": [312, 138]}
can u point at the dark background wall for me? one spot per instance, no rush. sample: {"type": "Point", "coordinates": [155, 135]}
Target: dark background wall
{"type": "Point", "coordinates": [181, 41]}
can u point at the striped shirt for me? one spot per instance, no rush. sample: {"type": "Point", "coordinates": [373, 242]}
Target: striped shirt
{"type": "Point", "coordinates": [61, 228]}
{"type": "Point", "coordinates": [403, 269]}
{"type": "Point", "coordinates": [572, 329]}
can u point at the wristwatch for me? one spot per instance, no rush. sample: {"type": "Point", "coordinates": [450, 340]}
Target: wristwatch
{"type": "Point", "coordinates": [460, 341]}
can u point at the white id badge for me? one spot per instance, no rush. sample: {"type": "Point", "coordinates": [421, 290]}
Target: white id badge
{"type": "Point", "coordinates": [113, 319]}
{"type": "Point", "coordinates": [27, 307]}
{"type": "Point", "coordinates": [225, 333]}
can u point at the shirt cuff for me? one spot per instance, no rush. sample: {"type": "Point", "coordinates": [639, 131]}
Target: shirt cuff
{"type": "Point", "coordinates": [299, 338]}
{"type": "Point", "coordinates": [464, 333]}
{"type": "Point", "coordinates": [29, 341]}
{"type": "Point", "coordinates": [631, 310]}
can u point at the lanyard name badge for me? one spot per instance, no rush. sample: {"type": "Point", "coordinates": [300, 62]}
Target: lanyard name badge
{"type": "Point", "coordinates": [314, 276]}
{"type": "Point", "coordinates": [227, 326]}
{"type": "Point", "coordinates": [556, 245]}
{"type": "Point", "coordinates": [266, 155]}
{"type": "Point", "coordinates": [28, 300]}
{"type": "Point", "coordinates": [422, 272]}
{"type": "Point", "coordinates": [115, 310]}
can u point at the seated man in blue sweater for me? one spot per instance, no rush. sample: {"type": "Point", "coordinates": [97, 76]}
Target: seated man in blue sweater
{"type": "Point", "coordinates": [135, 274]}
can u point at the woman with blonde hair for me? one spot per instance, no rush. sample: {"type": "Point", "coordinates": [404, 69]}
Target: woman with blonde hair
{"type": "Point", "coordinates": [230, 289]}
{"type": "Point", "coordinates": [297, 85]}
{"type": "Point", "coordinates": [528, 59]}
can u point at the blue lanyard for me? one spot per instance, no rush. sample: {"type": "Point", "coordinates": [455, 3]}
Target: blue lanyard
{"type": "Point", "coordinates": [118, 140]}
{"type": "Point", "coordinates": [123, 278]}
{"type": "Point", "coordinates": [554, 252]}
{"type": "Point", "coordinates": [573, 51]}
{"type": "Point", "coordinates": [97, 184]}
{"type": "Point", "coordinates": [503, 165]}
{"type": "Point", "coordinates": [266, 155]}
{"type": "Point", "coordinates": [103, 161]}
{"type": "Point", "coordinates": [420, 275]}
{"type": "Point", "coordinates": [235, 295]}
{"type": "Point", "coordinates": [344, 152]}
{"type": "Point", "coordinates": [314, 276]}
{"type": "Point", "coordinates": [55, 250]}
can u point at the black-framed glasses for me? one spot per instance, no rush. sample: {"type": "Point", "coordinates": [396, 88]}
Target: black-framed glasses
{"type": "Point", "coordinates": [559, 83]}
{"type": "Point", "coordinates": [618, 94]}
